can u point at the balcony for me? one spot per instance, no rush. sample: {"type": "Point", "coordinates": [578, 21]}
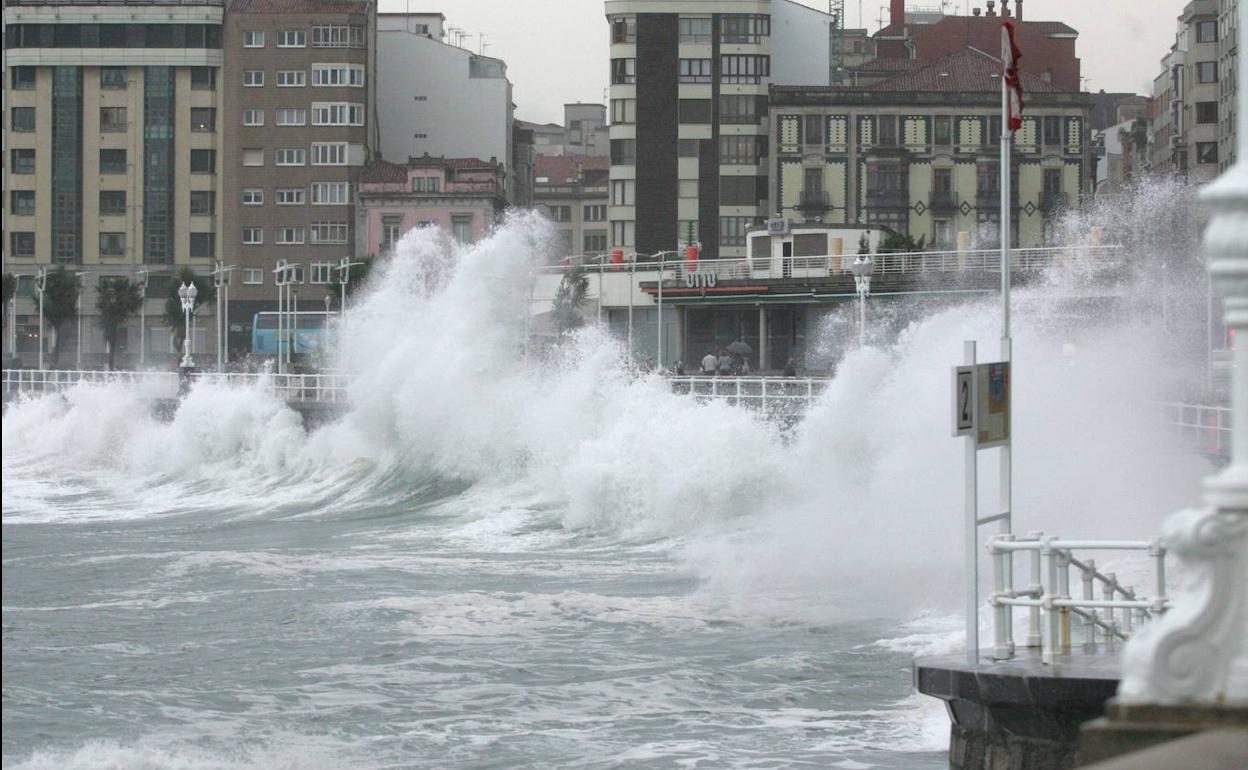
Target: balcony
{"type": "Point", "coordinates": [814, 200]}
{"type": "Point", "coordinates": [887, 199]}
{"type": "Point", "coordinates": [942, 200]}
{"type": "Point", "coordinates": [1052, 201]}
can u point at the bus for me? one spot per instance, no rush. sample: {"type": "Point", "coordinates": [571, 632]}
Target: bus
{"type": "Point", "coordinates": [311, 332]}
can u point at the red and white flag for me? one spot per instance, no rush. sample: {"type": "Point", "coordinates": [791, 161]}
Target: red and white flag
{"type": "Point", "coordinates": [1013, 79]}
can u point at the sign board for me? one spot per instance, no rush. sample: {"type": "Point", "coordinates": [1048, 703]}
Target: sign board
{"type": "Point", "coordinates": [992, 418]}
{"type": "Point", "coordinates": [778, 226]}
{"type": "Point", "coordinates": [963, 400]}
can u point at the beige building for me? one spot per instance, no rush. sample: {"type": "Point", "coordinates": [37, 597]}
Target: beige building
{"type": "Point", "coordinates": [572, 190]}
{"type": "Point", "coordinates": [298, 106]}
{"type": "Point", "coordinates": [919, 153]}
{"type": "Point", "coordinates": [112, 144]}
{"type": "Point", "coordinates": [1188, 133]}
{"type": "Point", "coordinates": [1228, 56]}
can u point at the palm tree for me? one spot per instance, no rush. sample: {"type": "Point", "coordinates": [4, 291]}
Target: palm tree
{"type": "Point", "coordinates": [206, 292]}
{"type": "Point", "coordinates": [566, 310]}
{"type": "Point", "coordinates": [118, 300]}
{"type": "Point", "coordinates": [9, 289]}
{"type": "Point", "coordinates": [60, 304]}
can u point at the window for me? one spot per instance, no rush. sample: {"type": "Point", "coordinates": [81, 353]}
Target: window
{"type": "Point", "coordinates": [204, 119]}
{"type": "Point", "coordinates": [253, 236]}
{"type": "Point", "coordinates": [1207, 31]}
{"type": "Point", "coordinates": [22, 202]}
{"type": "Point", "coordinates": [203, 79]}
{"type": "Point", "coordinates": [23, 78]}
{"type": "Point", "coordinates": [292, 38]}
{"type": "Point", "coordinates": [687, 148]}
{"type": "Point", "coordinates": [204, 161]}
{"type": "Point", "coordinates": [23, 119]}
{"type": "Point", "coordinates": [331, 193]}
{"type": "Point", "coordinates": [741, 150]}
{"type": "Point", "coordinates": [595, 240]}
{"type": "Point", "coordinates": [695, 110]}
{"type": "Point", "coordinates": [1051, 183]}
{"type": "Point", "coordinates": [994, 130]}
{"type": "Point", "coordinates": [560, 213]}
{"type": "Point", "coordinates": [22, 161]}
{"type": "Point", "coordinates": [695, 70]}
{"type": "Point", "coordinates": [1206, 112]}
{"type": "Point", "coordinates": [624, 30]}
{"type": "Point", "coordinates": [695, 30]}
{"type": "Point", "coordinates": [338, 75]}
{"type": "Point", "coordinates": [112, 119]}
{"type": "Point", "coordinates": [1052, 130]}
{"type": "Point", "coordinates": [732, 230]}
{"type": "Point", "coordinates": [595, 213]}
{"type": "Point", "coordinates": [744, 190]}
{"type": "Point", "coordinates": [291, 116]}
{"type": "Point", "coordinates": [425, 184]}
{"type": "Point", "coordinates": [112, 161]}
{"type": "Point", "coordinates": [203, 245]}
{"type": "Point", "coordinates": [253, 276]}
{"type": "Point", "coordinates": [942, 126]}
{"type": "Point", "coordinates": [112, 244]}
{"type": "Point", "coordinates": [741, 109]}
{"type": "Point", "coordinates": [291, 156]}
{"type": "Point", "coordinates": [744, 69]}
{"type": "Point", "coordinates": [253, 38]}
{"type": "Point", "coordinates": [337, 114]}
{"type": "Point", "coordinates": [1207, 72]}
{"type": "Point", "coordinates": [685, 188]}
{"type": "Point", "coordinates": [623, 192]}
{"type": "Point", "coordinates": [1206, 152]}
{"type": "Point", "coordinates": [942, 180]}
{"type": "Point", "coordinates": [253, 117]}
{"type": "Point", "coordinates": [322, 272]}
{"type": "Point", "coordinates": [623, 71]}
{"type": "Point", "coordinates": [253, 157]}
{"type": "Point", "coordinates": [329, 153]}
{"type": "Point", "coordinates": [292, 78]}
{"type": "Point", "coordinates": [329, 232]}
{"type": "Point", "coordinates": [623, 152]}
{"type": "Point", "coordinates": [253, 196]}
{"type": "Point", "coordinates": [113, 78]}
{"type": "Point", "coordinates": [461, 227]}
{"type": "Point", "coordinates": [253, 78]}
{"type": "Point", "coordinates": [288, 196]}
{"type": "Point", "coordinates": [288, 236]}
{"type": "Point", "coordinates": [112, 202]}
{"type": "Point", "coordinates": [887, 136]}
{"type": "Point", "coordinates": [813, 129]}
{"type": "Point", "coordinates": [742, 28]}
{"type": "Point", "coordinates": [294, 273]}
{"type": "Point", "coordinates": [22, 244]}
{"type": "Point", "coordinates": [337, 36]}
{"type": "Point", "coordinates": [623, 111]}
{"type": "Point", "coordinates": [203, 203]}
{"type": "Point", "coordinates": [623, 233]}
{"type": "Point", "coordinates": [391, 224]}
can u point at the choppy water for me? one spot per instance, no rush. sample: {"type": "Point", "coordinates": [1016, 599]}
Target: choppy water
{"type": "Point", "coordinates": [490, 563]}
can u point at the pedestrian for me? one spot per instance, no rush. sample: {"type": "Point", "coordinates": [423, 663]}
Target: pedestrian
{"type": "Point", "coordinates": [680, 368]}
{"type": "Point", "coordinates": [790, 368]}
{"type": "Point", "coordinates": [709, 363]}
{"type": "Point", "coordinates": [725, 363]}
{"type": "Point", "coordinates": [745, 366]}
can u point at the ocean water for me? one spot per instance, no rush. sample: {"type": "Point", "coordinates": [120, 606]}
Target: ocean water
{"type": "Point", "coordinates": [498, 562]}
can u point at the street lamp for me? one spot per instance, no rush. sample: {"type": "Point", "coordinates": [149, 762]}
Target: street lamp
{"type": "Point", "coordinates": [329, 300]}
{"type": "Point", "coordinates": [41, 284]}
{"type": "Point", "coordinates": [187, 293]}
{"type": "Point", "coordinates": [862, 268]}
{"type": "Point", "coordinates": [221, 281]}
{"type": "Point", "coordinates": [143, 276]}
{"type": "Point", "coordinates": [78, 313]}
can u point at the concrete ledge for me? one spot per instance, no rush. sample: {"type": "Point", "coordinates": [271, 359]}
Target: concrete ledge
{"type": "Point", "coordinates": [1224, 749]}
{"type": "Point", "coordinates": [1129, 728]}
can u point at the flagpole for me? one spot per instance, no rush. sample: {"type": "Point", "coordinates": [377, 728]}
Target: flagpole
{"type": "Point", "coordinates": [1007, 520]}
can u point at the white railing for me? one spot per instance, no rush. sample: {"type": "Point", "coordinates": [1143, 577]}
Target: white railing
{"type": "Point", "coordinates": [838, 265]}
{"type": "Point", "coordinates": [1207, 427]}
{"type": "Point", "coordinates": [763, 392]}
{"type": "Point", "coordinates": [42, 380]}
{"type": "Point", "coordinates": [326, 388]}
{"type": "Point", "coordinates": [1114, 615]}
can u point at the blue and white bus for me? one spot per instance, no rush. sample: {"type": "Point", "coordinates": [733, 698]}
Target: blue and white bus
{"type": "Point", "coordinates": [311, 332]}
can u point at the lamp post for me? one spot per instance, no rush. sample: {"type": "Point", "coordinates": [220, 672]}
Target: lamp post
{"type": "Point", "coordinates": [862, 268]}
{"type": "Point", "coordinates": [329, 300]}
{"type": "Point", "coordinates": [279, 280]}
{"type": "Point", "coordinates": [292, 348]}
{"type": "Point", "coordinates": [221, 281]}
{"type": "Point", "coordinates": [41, 284]}
{"type": "Point", "coordinates": [187, 293]}
{"type": "Point", "coordinates": [78, 312]}
{"type": "Point", "coordinates": [344, 277]}
{"type": "Point", "coordinates": [142, 276]}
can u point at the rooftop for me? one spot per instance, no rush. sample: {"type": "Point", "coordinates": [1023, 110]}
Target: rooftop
{"type": "Point", "coordinates": [298, 6]}
{"type": "Point", "coordinates": [568, 169]}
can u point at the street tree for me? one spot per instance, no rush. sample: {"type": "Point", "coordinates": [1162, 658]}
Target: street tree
{"type": "Point", "coordinates": [569, 299]}
{"type": "Point", "coordinates": [60, 304]}
{"type": "Point", "coordinates": [117, 299]}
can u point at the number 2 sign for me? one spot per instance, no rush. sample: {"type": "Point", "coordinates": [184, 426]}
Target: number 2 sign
{"type": "Point", "coordinates": [964, 400]}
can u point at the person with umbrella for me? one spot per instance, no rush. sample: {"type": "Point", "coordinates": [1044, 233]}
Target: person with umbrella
{"type": "Point", "coordinates": [739, 349]}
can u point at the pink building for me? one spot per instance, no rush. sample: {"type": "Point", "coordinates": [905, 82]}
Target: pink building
{"type": "Point", "coordinates": [463, 195]}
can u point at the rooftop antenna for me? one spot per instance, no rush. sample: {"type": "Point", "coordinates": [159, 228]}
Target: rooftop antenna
{"type": "Point", "coordinates": [836, 42]}
{"type": "Point", "coordinates": [481, 44]}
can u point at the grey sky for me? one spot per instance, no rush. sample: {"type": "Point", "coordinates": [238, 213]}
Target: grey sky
{"type": "Point", "coordinates": [556, 50]}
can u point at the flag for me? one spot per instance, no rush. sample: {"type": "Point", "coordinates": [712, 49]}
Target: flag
{"type": "Point", "coordinates": [1013, 78]}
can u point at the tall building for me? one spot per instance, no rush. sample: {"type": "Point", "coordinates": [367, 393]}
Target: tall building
{"type": "Point", "coordinates": [1187, 97]}
{"type": "Point", "coordinates": [441, 99]}
{"type": "Point", "coordinates": [113, 149]}
{"type": "Point", "coordinates": [298, 107]}
{"type": "Point", "coordinates": [689, 130]}
{"type": "Point", "coordinates": [1228, 57]}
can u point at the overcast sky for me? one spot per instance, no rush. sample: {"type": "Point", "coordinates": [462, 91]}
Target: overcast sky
{"type": "Point", "coordinates": [556, 50]}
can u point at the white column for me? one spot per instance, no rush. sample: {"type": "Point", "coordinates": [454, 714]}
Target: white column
{"type": "Point", "coordinates": [762, 338]}
{"type": "Point", "coordinates": [1198, 651]}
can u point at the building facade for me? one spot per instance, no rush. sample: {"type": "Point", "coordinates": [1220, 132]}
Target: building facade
{"type": "Point", "coordinates": [919, 153]}
{"type": "Point", "coordinates": [1186, 128]}
{"type": "Point", "coordinates": [298, 107]}
{"type": "Point", "coordinates": [1228, 57]}
{"type": "Point", "coordinates": [572, 189]}
{"type": "Point", "coordinates": [113, 152]}
{"type": "Point", "coordinates": [688, 114]}
{"type": "Point", "coordinates": [464, 196]}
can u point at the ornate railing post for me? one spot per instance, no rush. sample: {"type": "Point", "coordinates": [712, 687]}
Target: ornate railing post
{"type": "Point", "coordinates": [1198, 651]}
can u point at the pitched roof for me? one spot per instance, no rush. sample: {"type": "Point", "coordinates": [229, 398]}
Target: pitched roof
{"type": "Point", "coordinates": [888, 64]}
{"type": "Point", "coordinates": [1043, 27]}
{"type": "Point", "coordinates": [567, 169]}
{"type": "Point", "coordinates": [298, 6]}
{"type": "Point", "coordinates": [968, 70]}
{"type": "Point", "coordinates": [383, 171]}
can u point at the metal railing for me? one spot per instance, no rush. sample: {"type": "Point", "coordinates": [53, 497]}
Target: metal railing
{"type": "Point", "coordinates": [766, 393]}
{"type": "Point", "coordinates": [1113, 616]}
{"type": "Point", "coordinates": [323, 388]}
{"type": "Point", "coordinates": [1208, 427]}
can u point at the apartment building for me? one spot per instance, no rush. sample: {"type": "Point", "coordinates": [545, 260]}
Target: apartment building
{"type": "Point", "coordinates": [1186, 127]}
{"type": "Point", "coordinates": [112, 145]}
{"type": "Point", "coordinates": [298, 107]}
{"type": "Point", "coordinates": [919, 153]}
{"type": "Point", "coordinates": [572, 189]}
{"type": "Point", "coordinates": [1228, 57]}
{"type": "Point", "coordinates": [688, 114]}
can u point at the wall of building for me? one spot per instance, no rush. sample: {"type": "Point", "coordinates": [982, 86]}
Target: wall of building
{"type": "Point", "coordinates": [796, 27]}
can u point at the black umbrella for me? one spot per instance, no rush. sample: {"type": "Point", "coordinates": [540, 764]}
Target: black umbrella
{"type": "Point", "coordinates": [740, 348]}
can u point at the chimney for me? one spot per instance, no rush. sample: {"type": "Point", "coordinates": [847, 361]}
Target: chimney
{"type": "Point", "coordinates": [897, 12]}
{"type": "Point", "coordinates": [975, 12]}
{"type": "Point", "coordinates": [1018, 9]}
{"type": "Point", "coordinates": [992, 8]}
{"type": "Point", "coordinates": [1005, 9]}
